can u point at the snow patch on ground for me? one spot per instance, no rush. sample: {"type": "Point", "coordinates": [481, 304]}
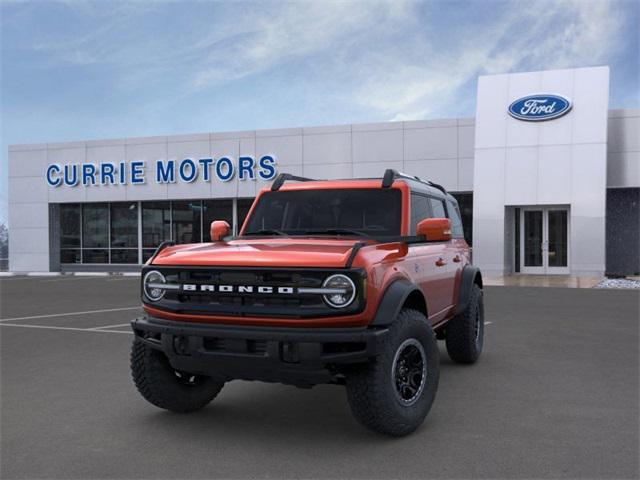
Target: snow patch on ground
{"type": "Point", "coordinates": [618, 283]}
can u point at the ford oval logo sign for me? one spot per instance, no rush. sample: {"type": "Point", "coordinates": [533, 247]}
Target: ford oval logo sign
{"type": "Point", "coordinates": [536, 108]}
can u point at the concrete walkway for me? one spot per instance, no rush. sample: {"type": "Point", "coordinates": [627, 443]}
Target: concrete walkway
{"type": "Point", "coordinates": [558, 281]}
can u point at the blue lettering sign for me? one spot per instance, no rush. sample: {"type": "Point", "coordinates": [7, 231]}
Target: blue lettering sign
{"type": "Point", "coordinates": [137, 172]}
{"type": "Point", "coordinates": [245, 168]}
{"type": "Point", "coordinates": [267, 168]}
{"type": "Point", "coordinates": [88, 174]}
{"type": "Point", "coordinates": [224, 165]}
{"type": "Point", "coordinates": [206, 168]}
{"type": "Point", "coordinates": [165, 173]}
{"type": "Point", "coordinates": [188, 174]}
{"type": "Point", "coordinates": [106, 173]}
{"type": "Point", "coordinates": [51, 180]}
{"type": "Point", "coordinates": [71, 175]}
{"type": "Point", "coordinates": [123, 173]}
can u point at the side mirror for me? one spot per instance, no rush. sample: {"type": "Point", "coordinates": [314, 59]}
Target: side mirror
{"type": "Point", "coordinates": [435, 229]}
{"type": "Point", "coordinates": [219, 230]}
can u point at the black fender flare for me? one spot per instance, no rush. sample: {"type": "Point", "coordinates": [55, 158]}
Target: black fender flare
{"type": "Point", "coordinates": [392, 301]}
{"type": "Point", "coordinates": [470, 275]}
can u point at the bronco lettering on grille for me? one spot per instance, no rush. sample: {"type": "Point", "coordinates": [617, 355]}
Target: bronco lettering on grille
{"type": "Point", "coordinates": [191, 287]}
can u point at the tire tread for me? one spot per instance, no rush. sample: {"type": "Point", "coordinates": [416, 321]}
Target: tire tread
{"type": "Point", "coordinates": [460, 331]}
{"type": "Point", "coordinates": [369, 390]}
{"type": "Point", "coordinates": [153, 377]}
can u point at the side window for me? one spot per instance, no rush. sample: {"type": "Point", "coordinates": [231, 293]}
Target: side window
{"type": "Point", "coordinates": [437, 206]}
{"type": "Point", "coordinates": [456, 222]}
{"type": "Point", "coordinates": [419, 210]}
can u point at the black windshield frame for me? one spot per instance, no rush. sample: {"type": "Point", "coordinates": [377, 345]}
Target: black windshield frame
{"type": "Point", "coordinates": [349, 212]}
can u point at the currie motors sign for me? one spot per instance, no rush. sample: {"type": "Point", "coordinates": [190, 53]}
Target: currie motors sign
{"type": "Point", "coordinates": [137, 172]}
{"type": "Point", "coordinates": [536, 108]}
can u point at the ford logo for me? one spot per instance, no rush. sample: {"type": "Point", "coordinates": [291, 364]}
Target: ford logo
{"type": "Point", "coordinates": [535, 108]}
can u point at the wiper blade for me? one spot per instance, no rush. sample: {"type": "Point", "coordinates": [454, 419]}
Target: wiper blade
{"type": "Point", "coordinates": [336, 231]}
{"type": "Point", "coordinates": [267, 231]}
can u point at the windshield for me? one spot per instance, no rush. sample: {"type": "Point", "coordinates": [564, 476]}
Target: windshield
{"type": "Point", "coordinates": [359, 212]}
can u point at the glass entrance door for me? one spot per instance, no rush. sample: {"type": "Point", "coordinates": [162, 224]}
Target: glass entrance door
{"type": "Point", "coordinates": [533, 241]}
{"type": "Point", "coordinates": [544, 240]}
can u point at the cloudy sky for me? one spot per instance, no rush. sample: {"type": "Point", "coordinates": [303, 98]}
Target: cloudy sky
{"type": "Point", "coordinates": [82, 70]}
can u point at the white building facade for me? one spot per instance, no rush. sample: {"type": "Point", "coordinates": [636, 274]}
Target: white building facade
{"type": "Point", "coordinates": [547, 177]}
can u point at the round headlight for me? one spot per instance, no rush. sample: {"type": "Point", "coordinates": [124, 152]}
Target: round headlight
{"type": "Point", "coordinates": [342, 290]}
{"type": "Point", "coordinates": [152, 285]}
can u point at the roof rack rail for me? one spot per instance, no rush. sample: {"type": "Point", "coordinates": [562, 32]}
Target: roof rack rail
{"type": "Point", "coordinates": [283, 177]}
{"type": "Point", "coordinates": [390, 175]}
{"type": "Point", "coordinates": [439, 187]}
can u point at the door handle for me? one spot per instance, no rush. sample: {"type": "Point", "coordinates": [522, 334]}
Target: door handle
{"type": "Point", "coordinates": [440, 262]}
{"type": "Point", "coordinates": [457, 259]}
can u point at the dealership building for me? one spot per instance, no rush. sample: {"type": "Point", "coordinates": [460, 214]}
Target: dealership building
{"type": "Point", "coordinates": [546, 175]}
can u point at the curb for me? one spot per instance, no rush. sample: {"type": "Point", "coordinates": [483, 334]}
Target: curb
{"type": "Point", "coordinates": [69, 274]}
{"type": "Point", "coordinates": [90, 274]}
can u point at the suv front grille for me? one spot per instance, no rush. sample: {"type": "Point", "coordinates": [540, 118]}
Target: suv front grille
{"type": "Point", "coordinates": [234, 303]}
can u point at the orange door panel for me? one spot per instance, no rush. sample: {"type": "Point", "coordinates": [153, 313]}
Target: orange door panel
{"type": "Point", "coordinates": [428, 264]}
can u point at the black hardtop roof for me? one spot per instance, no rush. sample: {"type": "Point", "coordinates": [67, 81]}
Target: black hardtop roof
{"type": "Point", "coordinates": [390, 175]}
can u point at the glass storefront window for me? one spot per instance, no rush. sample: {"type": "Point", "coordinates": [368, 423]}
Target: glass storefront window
{"type": "Point", "coordinates": [70, 233]}
{"type": "Point", "coordinates": [156, 224]}
{"type": "Point", "coordinates": [558, 238]}
{"type": "Point", "coordinates": [124, 225]}
{"type": "Point", "coordinates": [69, 226]}
{"type": "Point", "coordinates": [186, 221]}
{"type": "Point", "coordinates": [215, 210]}
{"type": "Point", "coordinates": [465, 204]}
{"type": "Point", "coordinates": [108, 232]}
{"type": "Point", "coordinates": [244, 205]}
{"type": "Point", "coordinates": [70, 255]}
{"type": "Point", "coordinates": [95, 225]}
{"type": "Point", "coordinates": [125, 255]}
{"type": "Point", "coordinates": [95, 255]}
{"type": "Point", "coordinates": [147, 253]}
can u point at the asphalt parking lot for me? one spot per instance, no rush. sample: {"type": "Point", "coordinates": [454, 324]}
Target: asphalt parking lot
{"type": "Point", "coordinates": [554, 395]}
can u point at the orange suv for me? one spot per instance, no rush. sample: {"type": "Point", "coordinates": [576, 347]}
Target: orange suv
{"type": "Point", "coordinates": [347, 282]}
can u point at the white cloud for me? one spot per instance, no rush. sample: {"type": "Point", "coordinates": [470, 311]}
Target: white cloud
{"type": "Point", "coordinates": [293, 31]}
{"type": "Point", "coordinates": [390, 57]}
{"type": "Point", "coordinates": [538, 36]}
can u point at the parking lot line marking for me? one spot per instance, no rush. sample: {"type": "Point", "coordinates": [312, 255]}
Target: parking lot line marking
{"type": "Point", "coordinates": [111, 326]}
{"type": "Point", "coordinates": [88, 312]}
{"type": "Point", "coordinates": [51, 327]}
{"type": "Point", "coordinates": [488, 323]}
{"type": "Point", "coordinates": [19, 279]}
{"type": "Point", "coordinates": [70, 278]}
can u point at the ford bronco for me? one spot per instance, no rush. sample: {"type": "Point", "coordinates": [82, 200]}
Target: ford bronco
{"type": "Point", "coordinates": [348, 282]}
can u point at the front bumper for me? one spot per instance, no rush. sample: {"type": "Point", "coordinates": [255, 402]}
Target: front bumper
{"type": "Point", "coordinates": [298, 356]}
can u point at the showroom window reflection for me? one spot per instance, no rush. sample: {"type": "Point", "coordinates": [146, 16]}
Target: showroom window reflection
{"type": "Point", "coordinates": [129, 232]}
{"type": "Point", "coordinates": [156, 226]}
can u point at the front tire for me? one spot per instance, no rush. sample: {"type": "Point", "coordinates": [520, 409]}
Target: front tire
{"type": "Point", "coordinates": [163, 386]}
{"type": "Point", "coordinates": [465, 332]}
{"type": "Point", "coordinates": [393, 394]}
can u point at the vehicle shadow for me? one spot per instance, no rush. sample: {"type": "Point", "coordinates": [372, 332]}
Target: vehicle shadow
{"type": "Point", "coordinates": [279, 413]}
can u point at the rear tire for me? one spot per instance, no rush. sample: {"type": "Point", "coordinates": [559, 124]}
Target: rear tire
{"type": "Point", "coordinates": [163, 386]}
{"type": "Point", "coordinates": [465, 333]}
{"type": "Point", "coordinates": [393, 394]}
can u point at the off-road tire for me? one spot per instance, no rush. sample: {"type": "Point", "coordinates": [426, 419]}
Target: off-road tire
{"type": "Point", "coordinates": [464, 343]}
{"type": "Point", "coordinates": [371, 388]}
{"type": "Point", "coordinates": [161, 385]}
